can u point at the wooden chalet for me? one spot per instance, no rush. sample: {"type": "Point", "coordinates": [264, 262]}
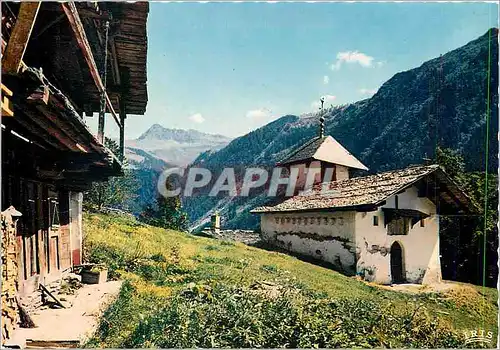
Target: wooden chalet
{"type": "Point", "coordinates": [53, 77]}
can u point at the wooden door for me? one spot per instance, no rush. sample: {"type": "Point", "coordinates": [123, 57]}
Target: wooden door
{"type": "Point", "coordinates": [54, 232]}
{"type": "Point", "coordinates": [54, 254]}
{"type": "Point", "coordinates": [397, 263]}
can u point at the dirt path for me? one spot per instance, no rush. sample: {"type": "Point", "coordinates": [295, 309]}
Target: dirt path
{"type": "Point", "coordinates": [75, 323]}
{"type": "Point", "coordinates": [411, 288]}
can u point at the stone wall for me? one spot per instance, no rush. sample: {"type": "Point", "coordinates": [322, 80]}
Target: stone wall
{"type": "Point", "coordinates": [326, 236]}
{"type": "Point", "coordinates": [10, 274]}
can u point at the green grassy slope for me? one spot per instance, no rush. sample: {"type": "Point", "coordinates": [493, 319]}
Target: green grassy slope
{"type": "Point", "coordinates": [187, 291]}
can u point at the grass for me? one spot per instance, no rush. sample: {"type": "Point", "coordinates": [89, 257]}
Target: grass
{"type": "Point", "coordinates": [182, 290]}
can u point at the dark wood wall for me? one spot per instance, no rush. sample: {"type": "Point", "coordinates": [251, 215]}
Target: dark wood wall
{"type": "Point", "coordinates": [43, 232]}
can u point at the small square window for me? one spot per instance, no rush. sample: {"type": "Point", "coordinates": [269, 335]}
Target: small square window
{"type": "Point", "coordinates": [375, 220]}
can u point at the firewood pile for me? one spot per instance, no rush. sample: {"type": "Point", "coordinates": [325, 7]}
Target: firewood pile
{"type": "Point", "coordinates": [10, 316]}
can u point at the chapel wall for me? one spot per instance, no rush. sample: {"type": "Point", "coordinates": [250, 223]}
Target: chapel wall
{"type": "Point", "coordinates": [421, 263]}
{"type": "Point", "coordinates": [326, 236]}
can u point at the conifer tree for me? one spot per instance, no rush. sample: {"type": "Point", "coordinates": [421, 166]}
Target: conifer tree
{"type": "Point", "coordinates": [166, 212]}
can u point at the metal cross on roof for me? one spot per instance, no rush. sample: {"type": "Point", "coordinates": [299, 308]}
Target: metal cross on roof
{"type": "Point", "coordinates": [322, 120]}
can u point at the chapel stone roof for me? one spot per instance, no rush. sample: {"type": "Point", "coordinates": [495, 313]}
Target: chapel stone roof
{"type": "Point", "coordinates": [372, 190]}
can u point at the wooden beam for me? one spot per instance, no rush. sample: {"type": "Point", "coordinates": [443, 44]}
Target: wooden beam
{"type": "Point", "coordinates": [7, 91]}
{"type": "Point", "coordinates": [88, 110]}
{"type": "Point", "coordinates": [81, 38]}
{"type": "Point", "coordinates": [73, 136]}
{"type": "Point", "coordinates": [40, 95]}
{"type": "Point", "coordinates": [44, 29]}
{"type": "Point", "coordinates": [36, 135]}
{"type": "Point", "coordinates": [114, 61]}
{"type": "Point", "coordinates": [367, 208]}
{"type": "Point", "coordinates": [20, 36]}
{"type": "Point", "coordinates": [50, 106]}
{"type": "Point", "coordinates": [52, 130]}
{"type": "Point", "coordinates": [95, 14]}
{"type": "Point", "coordinates": [7, 110]}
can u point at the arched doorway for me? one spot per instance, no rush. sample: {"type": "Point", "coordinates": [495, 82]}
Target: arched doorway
{"type": "Point", "coordinates": [397, 267]}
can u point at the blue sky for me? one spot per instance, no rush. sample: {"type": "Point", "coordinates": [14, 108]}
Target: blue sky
{"type": "Point", "coordinates": [229, 68]}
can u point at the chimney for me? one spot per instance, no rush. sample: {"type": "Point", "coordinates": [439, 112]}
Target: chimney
{"type": "Point", "coordinates": [427, 161]}
{"type": "Point", "coordinates": [215, 219]}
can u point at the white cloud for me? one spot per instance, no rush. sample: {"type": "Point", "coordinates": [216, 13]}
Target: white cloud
{"type": "Point", "coordinates": [197, 118]}
{"type": "Point", "coordinates": [258, 114]}
{"type": "Point", "coordinates": [352, 57]}
{"type": "Point", "coordinates": [326, 79]}
{"type": "Point", "coordinates": [367, 91]}
{"type": "Point", "coordinates": [329, 99]}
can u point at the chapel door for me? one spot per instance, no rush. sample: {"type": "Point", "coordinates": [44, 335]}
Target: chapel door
{"type": "Point", "coordinates": [397, 263]}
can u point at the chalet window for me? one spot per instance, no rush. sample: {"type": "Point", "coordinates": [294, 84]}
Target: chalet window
{"type": "Point", "coordinates": [54, 214]}
{"type": "Point", "coordinates": [422, 222]}
{"type": "Point", "coordinates": [399, 226]}
{"type": "Point", "coordinates": [375, 220]}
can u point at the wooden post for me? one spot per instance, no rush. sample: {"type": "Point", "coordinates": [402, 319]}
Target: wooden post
{"type": "Point", "coordinates": [100, 128]}
{"type": "Point", "coordinates": [123, 116]}
{"type": "Point", "coordinates": [20, 36]}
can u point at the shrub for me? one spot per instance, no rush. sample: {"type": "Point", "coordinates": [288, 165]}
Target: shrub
{"type": "Point", "coordinates": [269, 268]}
{"type": "Point", "coordinates": [220, 316]}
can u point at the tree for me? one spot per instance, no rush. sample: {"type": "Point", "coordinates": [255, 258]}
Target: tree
{"type": "Point", "coordinates": [464, 239]}
{"type": "Point", "coordinates": [452, 162]}
{"type": "Point", "coordinates": [116, 191]}
{"type": "Point", "coordinates": [166, 212]}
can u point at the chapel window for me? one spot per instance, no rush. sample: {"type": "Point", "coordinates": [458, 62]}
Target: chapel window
{"type": "Point", "coordinates": [398, 226]}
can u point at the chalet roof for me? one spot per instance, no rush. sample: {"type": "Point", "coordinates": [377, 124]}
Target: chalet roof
{"type": "Point", "coordinates": [46, 117]}
{"type": "Point", "coordinates": [373, 190]}
{"type": "Point", "coordinates": [129, 46]}
{"type": "Point", "coordinates": [65, 57]}
{"type": "Point", "coordinates": [325, 149]}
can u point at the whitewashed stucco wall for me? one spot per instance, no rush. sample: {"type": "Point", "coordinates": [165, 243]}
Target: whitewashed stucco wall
{"type": "Point", "coordinates": [421, 261]}
{"type": "Point", "coordinates": [324, 236]}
